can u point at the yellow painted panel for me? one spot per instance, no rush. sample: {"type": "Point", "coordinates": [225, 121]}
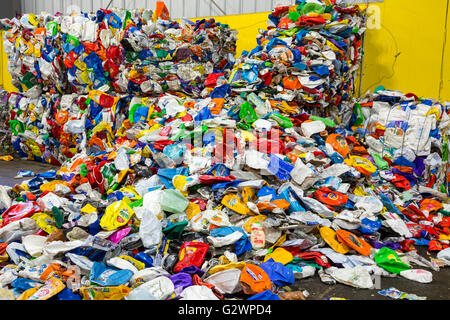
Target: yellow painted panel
{"type": "Point", "coordinates": [445, 91]}
{"type": "Point", "coordinates": [405, 54]}
{"type": "Point", "coordinates": [5, 76]}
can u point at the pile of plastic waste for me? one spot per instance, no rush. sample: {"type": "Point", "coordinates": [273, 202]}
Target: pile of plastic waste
{"type": "Point", "coordinates": [5, 139]}
{"type": "Point", "coordinates": [80, 76]}
{"type": "Point", "coordinates": [139, 52]}
{"type": "Point", "coordinates": [307, 59]}
{"type": "Point", "coordinates": [229, 197]}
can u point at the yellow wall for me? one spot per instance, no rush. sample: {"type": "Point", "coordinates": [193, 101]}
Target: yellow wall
{"type": "Point", "coordinates": [445, 91]}
{"type": "Point", "coordinates": [412, 31]}
{"type": "Point", "coordinates": [5, 77]}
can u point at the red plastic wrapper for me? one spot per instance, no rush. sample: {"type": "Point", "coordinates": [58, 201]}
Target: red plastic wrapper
{"type": "Point", "coordinates": [19, 211]}
{"type": "Point", "coordinates": [191, 254]}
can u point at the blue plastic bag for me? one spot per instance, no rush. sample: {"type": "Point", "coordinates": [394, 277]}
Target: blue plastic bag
{"type": "Point", "coordinates": [278, 273]}
{"type": "Point", "coordinates": [265, 295]}
{"type": "Point", "coordinates": [280, 168]}
{"type": "Point", "coordinates": [108, 277]}
{"type": "Point", "coordinates": [166, 175]}
{"type": "Point", "coordinates": [241, 246]}
{"type": "Point", "coordinates": [369, 226]}
{"type": "Point", "coordinates": [67, 294]}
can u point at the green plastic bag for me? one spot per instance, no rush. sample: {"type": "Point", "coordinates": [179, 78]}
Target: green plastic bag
{"type": "Point", "coordinates": [389, 260]}
{"type": "Point", "coordinates": [175, 230]}
{"type": "Point", "coordinates": [173, 201]}
{"type": "Point", "coordinates": [59, 217]}
{"type": "Point", "coordinates": [282, 121]}
{"type": "Point", "coordinates": [379, 162]}
{"type": "Point", "coordinates": [312, 7]}
{"type": "Point", "coordinates": [247, 113]}
{"type": "Point", "coordinates": [294, 15]}
{"type": "Point", "coordinates": [327, 122]}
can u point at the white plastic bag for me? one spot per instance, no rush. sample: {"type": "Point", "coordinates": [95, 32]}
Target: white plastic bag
{"type": "Point", "coordinates": [148, 274]}
{"type": "Point", "coordinates": [34, 244]}
{"type": "Point", "coordinates": [140, 293]}
{"type": "Point", "coordinates": [227, 281]}
{"type": "Point", "coordinates": [198, 293]}
{"type": "Point", "coordinates": [161, 288]}
{"type": "Point", "coordinates": [418, 275]}
{"type": "Point", "coordinates": [312, 127]}
{"type": "Point", "coordinates": [357, 277]}
{"type": "Point", "coordinates": [150, 229]}
{"type": "Point", "coordinates": [225, 241]}
{"type": "Point", "coordinates": [444, 254]}
{"type": "Point", "coordinates": [122, 264]}
{"type": "Point", "coordinates": [56, 247]}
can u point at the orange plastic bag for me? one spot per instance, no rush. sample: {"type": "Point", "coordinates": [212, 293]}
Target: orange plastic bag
{"type": "Point", "coordinates": [430, 205]}
{"type": "Point", "coordinates": [339, 144]}
{"type": "Point", "coordinates": [292, 83]}
{"type": "Point", "coordinates": [354, 242]}
{"type": "Point", "coordinates": [254, 280]}
{"type": "Point", "coordinates": [161, 11]}
{"type": "Point", "coordinates": [218, 105]}
{"type": "Point", "coordinates": [270, 206]}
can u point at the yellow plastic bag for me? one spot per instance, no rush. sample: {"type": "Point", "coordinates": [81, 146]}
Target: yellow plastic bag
{"type": "Point", "coordinates": [233, 202]}
{"type": "Point", "coordinates": [45, 222]}
{"type": "Point", "coordinates": [329, 236]}
{"type": "Point", "coordinates": [361, 164]}
{"type": "Point", "coordinates": [138, 264]}
{"type": "Point", "coordinates": [7, 158]}
{"type": "Point", "coordinates": [51, 288]}
{"type": "Point", "coordinates": [4, 257]}
{"type": "Point", "coordinates": [192, 210]}
{"type": "Point", "coordinates": [444, 237]}
{"type": "Point", "coordinates": [50, 186]}
{"type": "Point", "coordinates": [248, 195]}
{"type": "Point", "coordinates": [280, 255]}
{"type": "Point", "coordinates": [88, 209]}
{"type": "Point", "coordinates": [179, 182]}
{"type": "Point", "coordinates": [117, 215]}
{"type": "Point", "coordinates": [104, 293]}
{"type": "Point", "coordinates": [130, 192]}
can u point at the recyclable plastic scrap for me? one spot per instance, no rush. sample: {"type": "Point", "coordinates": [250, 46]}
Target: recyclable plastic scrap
{"type": "Point", "coordinates": [307, 59]}
{"type": "Point", "coordinates": [225, 196]}
{"type": "Point", "coordinates": [137, 52]}
{"type": "Point", "coordinates": [5, 139]}
{"type": "Point", "coordinates": [397, 294]}
{"type": "Point", "coordinates": [78, 74]}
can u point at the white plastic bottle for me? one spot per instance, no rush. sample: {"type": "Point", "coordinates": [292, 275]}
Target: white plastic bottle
{"type": "Point", "coordinates": [258, 237]}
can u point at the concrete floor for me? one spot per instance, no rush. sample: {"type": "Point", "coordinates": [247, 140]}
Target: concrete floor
{"type": "Point", "coordinates": [439, 289]}
{"type": "Point", "coordinates": [8, 170]}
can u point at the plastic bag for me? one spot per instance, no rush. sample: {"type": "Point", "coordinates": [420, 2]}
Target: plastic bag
{"type": "Point", "coordinates": [390, 261]}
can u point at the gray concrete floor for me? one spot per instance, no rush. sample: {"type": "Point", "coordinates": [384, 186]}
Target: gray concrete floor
{"type": "Point", "coordinates": [8, 170]}
{"type": "Point", "coordinates": [439, 289]}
